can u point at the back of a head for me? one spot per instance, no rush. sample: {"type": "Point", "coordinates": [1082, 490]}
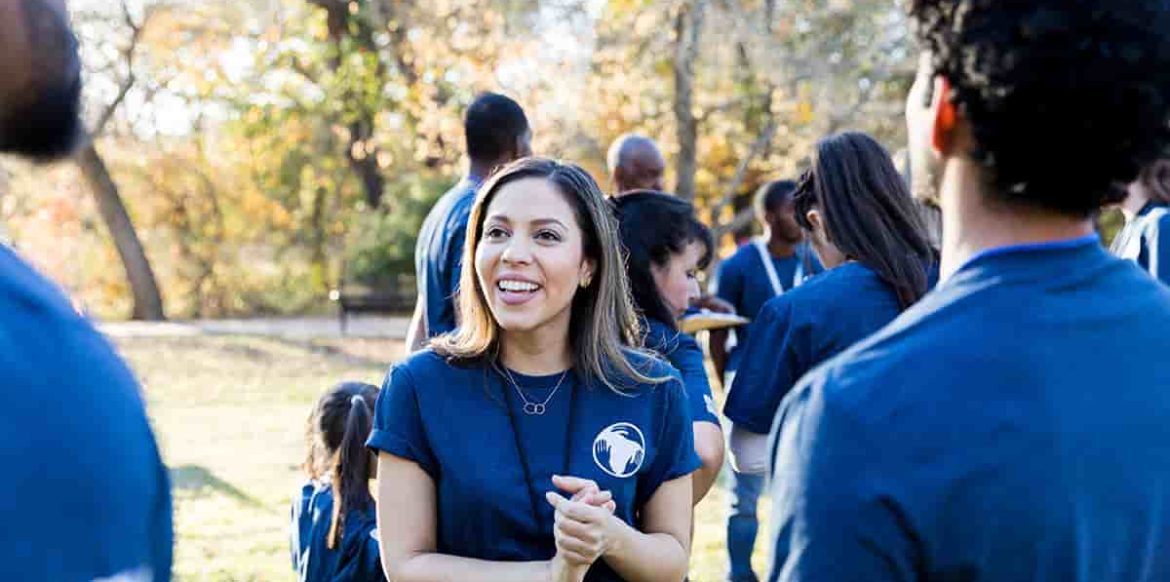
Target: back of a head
{"type": "Point", "coordinates": [494, 127]}
{"type": "Point", "coordinates": [654, 225]}
{"type": "Point", "coordinates": [337, 432]}
{"type": "Point", "coordinates": [636, 163]}
{"type": "Point", "coordinates": [868, 212]}
{"type": "Point", "coordinates": [1155, 180]}
{"type": "Point", "coordinates": [40, 86]}
{"type": "Point", "coordinates": [772, 195]}
{"type": "Point", "coordinates": [1065, 98]}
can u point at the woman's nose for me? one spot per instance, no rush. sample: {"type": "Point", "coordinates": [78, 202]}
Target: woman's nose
{"type": "Point", "coordinates": [517, 250]}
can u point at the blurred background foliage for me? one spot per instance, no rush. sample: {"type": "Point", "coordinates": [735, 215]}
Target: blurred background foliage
{"type": "Point", "coordinates": [264, 151]}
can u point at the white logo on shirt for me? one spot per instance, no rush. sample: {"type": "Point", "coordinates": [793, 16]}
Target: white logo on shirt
{"type": "Point", "coordinates": [619, 449]}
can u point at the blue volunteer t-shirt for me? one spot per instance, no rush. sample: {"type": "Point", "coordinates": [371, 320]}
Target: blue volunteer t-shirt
{"type": "Point", "coordinates": [1012, 425]}
{"type": "Point", "coordinates": [86, 495]}
{"type": "Point", "coordinates": [743, 281]}
{"type": "Point", "coordinates": [439, 252]}
{"type": "Point", "coordinates": [683, 352]}
{"type": "Point", "coordinates": [1142, 241]}
{"type": "Point", "coordinates": [454, 422]}
{"type": "Point", "coordinates": [355, 558]}
{"type": "Point", "coordinates": [800, 329]}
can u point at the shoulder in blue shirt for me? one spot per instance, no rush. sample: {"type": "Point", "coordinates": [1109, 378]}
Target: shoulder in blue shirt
{"type": "Point", "coordinates": [684, 353]}
{"type": "Point", "coordinates": [356, 558]}
{"type": "Point", "coordinates": [800, 329]}
{"type": "Point", "coordinates": [86, 495]}
{"type": "Point", "coordinates": [1018, 410]}
{"type": "Point", "coordinates": [628, 443]}
{"type": "Point", "coordinates": [438, 255]}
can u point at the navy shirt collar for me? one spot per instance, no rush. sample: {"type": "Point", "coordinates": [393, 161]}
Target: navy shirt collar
{"type": "Point", "coordinates": [1029, 248]}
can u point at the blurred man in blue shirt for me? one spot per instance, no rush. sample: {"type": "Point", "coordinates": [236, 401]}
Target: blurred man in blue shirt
{"type": "Point", "coordinates": [86, 495]}
{"type": "Point", "coordinates": [497, 133]}
{"type": "Point", "coordinates": [1013, 424]}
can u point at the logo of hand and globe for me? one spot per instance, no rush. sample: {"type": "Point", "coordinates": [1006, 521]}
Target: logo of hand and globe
{"type": "Point", "coordinates": [619, 449]}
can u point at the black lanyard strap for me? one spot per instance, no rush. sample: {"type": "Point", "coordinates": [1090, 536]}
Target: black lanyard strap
{"type": "Point", "coordinates": [533, 498]}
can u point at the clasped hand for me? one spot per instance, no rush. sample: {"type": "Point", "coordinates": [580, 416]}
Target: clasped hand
{"type": "Point", "coordinates": [583, 527]}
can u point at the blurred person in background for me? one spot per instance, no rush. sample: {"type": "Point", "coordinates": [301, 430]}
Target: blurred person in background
{"type": "Point", "coordinates": [87, 496]}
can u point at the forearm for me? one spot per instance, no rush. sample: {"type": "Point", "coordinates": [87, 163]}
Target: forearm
{"type": "Point", "coordinates": [431, 567]}
{"type": "Point", "coordinates": [703, 479]}
{"type": "Point", "coordinates": [640, 557]}
{"type": "Point", "coordinates": [710, 448]}
{"type": "Point", "coordinates": [749, 451]}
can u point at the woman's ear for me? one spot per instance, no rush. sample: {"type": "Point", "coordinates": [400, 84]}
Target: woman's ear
{"type": "Point", "coordinates": [588, 266]}
{"type": "Point", "coordinates": [814, 219]}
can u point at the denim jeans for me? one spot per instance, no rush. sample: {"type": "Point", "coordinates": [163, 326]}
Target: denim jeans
{"type": "Point", "coordinates": [742, 525]}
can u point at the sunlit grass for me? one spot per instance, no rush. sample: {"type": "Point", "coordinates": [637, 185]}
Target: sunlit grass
{"type": "Point", "coordinates": [229, 413]}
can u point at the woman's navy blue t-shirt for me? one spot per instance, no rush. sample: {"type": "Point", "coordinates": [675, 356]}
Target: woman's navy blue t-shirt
{"type": "Point", "coordinates": [798, 330]}
{"type": "Point", "coordinates": [684, 353]}
{"type": "Point", "coordinates": [356, 558]}
{"type": "Point", "coordinates": [456, 422]}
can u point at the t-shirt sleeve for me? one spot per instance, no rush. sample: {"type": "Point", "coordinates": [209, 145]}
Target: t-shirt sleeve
{"type": "Point", "coordinates": [1158, 243]}
{"type": "Point", "coordinates": [398, 428]}
{"type": "Point", "coordinates": [687, 357]}
{"type": "Point", "coordinates": [675, 455]}
{"type": "Point", "coordinates": [774, 358]}
{"type": "Point", "coordinates": [833, 521]}
{"type": "Point", "coordinates": [452, 271]}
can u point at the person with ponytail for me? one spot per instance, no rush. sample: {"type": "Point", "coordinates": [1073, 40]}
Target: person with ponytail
{"type": "Point", "coordinates": [334, 536]}
{"type": "Point", "coordinates": [866, 229]}
{"type": "Point", "coordinates": [1146, 215]}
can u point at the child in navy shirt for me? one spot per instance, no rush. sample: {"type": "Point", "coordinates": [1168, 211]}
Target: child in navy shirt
{"type": "Point", "coordinates": [334, 537]}
{"type": "Point", "coordinates": [666, 246]}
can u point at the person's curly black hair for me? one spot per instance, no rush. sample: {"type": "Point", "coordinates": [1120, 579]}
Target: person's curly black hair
{"type": "Point", "coordinates": [1066, 98]}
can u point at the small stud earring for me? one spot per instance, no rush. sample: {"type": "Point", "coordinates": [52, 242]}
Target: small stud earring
{"type": "Point", "coordinates": [586, 281]}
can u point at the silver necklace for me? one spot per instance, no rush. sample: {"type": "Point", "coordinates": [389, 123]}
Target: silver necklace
{"type": "Point", "coordinates": [534, 408]}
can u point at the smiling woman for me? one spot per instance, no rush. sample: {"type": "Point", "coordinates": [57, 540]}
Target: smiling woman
{"type": "Point", "coordinates": [548, 394]}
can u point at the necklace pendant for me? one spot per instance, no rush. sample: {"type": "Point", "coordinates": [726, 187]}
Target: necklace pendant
{"type": "Point", "coordinates": [534, 408]}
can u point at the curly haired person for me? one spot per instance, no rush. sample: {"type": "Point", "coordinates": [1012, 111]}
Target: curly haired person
{"type": "Point", "coordinates": [1013, 424]}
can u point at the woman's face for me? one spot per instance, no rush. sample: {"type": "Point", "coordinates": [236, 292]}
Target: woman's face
{"type": "Point", "coordinates": [828, 253]}
{"type": "Point", "coordinates": [530, 260]}
{"type": "Point", "coordinates": [677, 280]}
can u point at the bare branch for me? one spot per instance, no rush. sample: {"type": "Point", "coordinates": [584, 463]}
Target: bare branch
{"type": "Point", "coordinates": [757, 147]}
{"type": "Point", "coordinates": [108, 112]}
{"type": "Point", "coordinates": [739, 221]}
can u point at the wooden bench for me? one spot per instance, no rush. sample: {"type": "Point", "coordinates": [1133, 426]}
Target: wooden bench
{"type": "Point", "coordinates": [395, 295]}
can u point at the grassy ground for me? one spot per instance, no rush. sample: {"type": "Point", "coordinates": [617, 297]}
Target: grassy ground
{"type": "Point", "coordinates": [229, 413]}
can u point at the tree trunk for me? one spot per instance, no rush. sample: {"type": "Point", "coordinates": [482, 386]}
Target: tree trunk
{"type": "Point", "coordinates": [688, 24]}
{"type": "Point", "coordinates": [363, 163]}
{"type": "Point", "coordinates": [148, 303]}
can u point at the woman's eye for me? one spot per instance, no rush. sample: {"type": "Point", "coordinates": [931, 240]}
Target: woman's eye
{"type": "Point", "coordinates": [548, 235]}
{"type": "Point", "coordinates": [495, 232]}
